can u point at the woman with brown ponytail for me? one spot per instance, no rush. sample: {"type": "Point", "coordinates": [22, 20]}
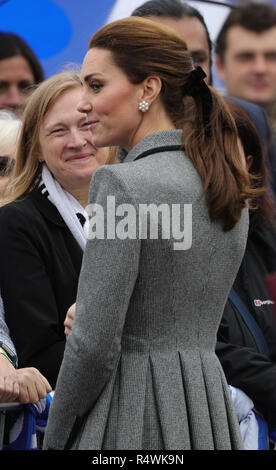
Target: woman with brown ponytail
{"type": "Point", "coordinates": [139, 369]}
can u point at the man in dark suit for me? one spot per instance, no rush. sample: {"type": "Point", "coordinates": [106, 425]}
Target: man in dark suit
{"type": "Point", "coordinates": [246, 62]}
{"type": "Point", "coordinates": [188, 23]}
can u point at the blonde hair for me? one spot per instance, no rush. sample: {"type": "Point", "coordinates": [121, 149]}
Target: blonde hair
{"type": "Point", "coordinates": [27, 167]}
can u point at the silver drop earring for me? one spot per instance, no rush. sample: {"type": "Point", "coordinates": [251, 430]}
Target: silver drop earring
{"type": "Point", "coordinates": [144, 106]}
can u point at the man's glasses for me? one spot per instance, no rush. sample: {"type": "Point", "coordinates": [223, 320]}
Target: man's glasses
{"type": "Point", "coordinates": [6, 165]}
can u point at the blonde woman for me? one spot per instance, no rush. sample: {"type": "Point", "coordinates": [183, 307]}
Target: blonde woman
{"type": "Point", "coordinates": [42, 236]}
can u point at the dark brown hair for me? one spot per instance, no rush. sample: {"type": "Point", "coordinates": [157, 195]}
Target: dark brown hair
{"type": "Point", "coordinates": [252, 145]}
{"type": "Point", "coordinates": [177, 10]}
{"type": "Point", "coordinates": [12, 45]}
{"type": "Point", "coordinates": [253, 16]}
{"type": "Point", "coordinates": [141, 48]}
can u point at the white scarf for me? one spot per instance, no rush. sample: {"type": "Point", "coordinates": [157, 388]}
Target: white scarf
{"type": "Point", "coordinates": [66, 204]}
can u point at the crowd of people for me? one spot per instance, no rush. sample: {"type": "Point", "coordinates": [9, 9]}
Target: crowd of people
{"type": "Point", "coordinates": [144, 342]}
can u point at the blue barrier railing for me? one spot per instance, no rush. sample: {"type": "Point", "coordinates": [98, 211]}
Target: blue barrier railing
{"type": "Point", "coordinates": [4, 408]}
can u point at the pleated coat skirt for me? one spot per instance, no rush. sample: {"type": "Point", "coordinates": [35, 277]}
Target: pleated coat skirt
{"type": "Point", "coordinates": [140, 370]}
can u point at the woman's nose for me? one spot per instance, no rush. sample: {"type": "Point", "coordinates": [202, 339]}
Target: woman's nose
{"type": "Point", "coordinates": [77, 139]}
{"type": "Point", "coordinates": [84, 106]}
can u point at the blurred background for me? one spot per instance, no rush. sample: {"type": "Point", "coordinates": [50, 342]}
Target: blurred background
{"type": "Point", "coordinates": [59, 30]}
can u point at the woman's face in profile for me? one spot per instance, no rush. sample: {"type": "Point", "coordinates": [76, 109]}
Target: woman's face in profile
{"type": "Point", "coordinates": [110, 100]}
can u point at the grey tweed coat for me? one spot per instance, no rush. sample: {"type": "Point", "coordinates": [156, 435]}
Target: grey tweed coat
{"type": "Point", "coordinates": [139, 369]}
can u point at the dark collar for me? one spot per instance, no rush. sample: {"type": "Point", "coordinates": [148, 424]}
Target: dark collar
{"type": "Point", "coordinates": [47, 209]}
{"type": "Point", "coordinates": [157, 139]}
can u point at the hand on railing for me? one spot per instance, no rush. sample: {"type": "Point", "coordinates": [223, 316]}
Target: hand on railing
{"type": "Point", "coordinates": [32, 385]}
{"type": "Point", "coordinates": [25, 385]}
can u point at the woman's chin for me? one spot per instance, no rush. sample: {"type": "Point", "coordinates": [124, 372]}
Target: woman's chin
{"type": "Point", "coordinates": [100, 141]}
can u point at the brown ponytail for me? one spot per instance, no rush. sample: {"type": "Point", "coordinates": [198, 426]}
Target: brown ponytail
{"type": "Point", "coordinates": [141, 48]}
{"type": "Point", "coordinates": [214, 151]}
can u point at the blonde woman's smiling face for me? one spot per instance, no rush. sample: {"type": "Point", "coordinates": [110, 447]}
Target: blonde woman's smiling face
{"type": "Point", "coordinates": [66, 142]}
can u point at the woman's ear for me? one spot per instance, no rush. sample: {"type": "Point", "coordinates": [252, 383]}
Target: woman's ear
{"type": "Point", "coordinates": [151, 89]}
{"type": "Point", "coordinates": [38, 155]}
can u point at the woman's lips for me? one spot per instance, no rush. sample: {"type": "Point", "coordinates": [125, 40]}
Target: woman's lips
{"type": "Point", "coordinates": [81, 156]}
{"type": "Point", "coordinates": [92, 124]}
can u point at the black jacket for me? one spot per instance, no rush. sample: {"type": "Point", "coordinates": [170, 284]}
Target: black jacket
{"type": "Point", "coordinates": [243, 365]}
{"type": "Point", "coordinates": [39, 269]}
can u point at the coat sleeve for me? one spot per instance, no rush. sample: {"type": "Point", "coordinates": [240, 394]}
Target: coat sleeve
{"type": "Point", "coordinates": [108, 275]}
{"type": "Point", "coordinates": [246, 368]}
{"type": "Point", "coordinates": [28, 296]}
{"type": "Point", "coordinates": [4, 330]}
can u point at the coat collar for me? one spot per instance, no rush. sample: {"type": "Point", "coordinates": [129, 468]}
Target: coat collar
{"type": "Point", "coordinates": [47, 209]}
{"type": "Point", "coordinates": [157, 139]}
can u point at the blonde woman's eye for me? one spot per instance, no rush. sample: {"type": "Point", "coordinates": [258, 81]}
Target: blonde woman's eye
{"type": "Point", "coordinates": [57, 131]}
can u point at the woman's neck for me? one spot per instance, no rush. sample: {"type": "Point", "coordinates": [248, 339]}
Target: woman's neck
{"type": "Point", "coordinates": [81, 195]}
{"type": "Point", "coordinates": [156, 120]}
